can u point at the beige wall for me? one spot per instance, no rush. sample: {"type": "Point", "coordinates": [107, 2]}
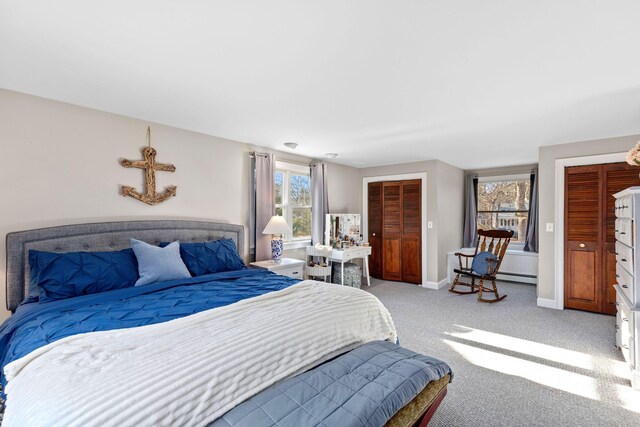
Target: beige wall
{"type": "Point", "coordinates": [547, 187]}
{"type": "Point", "coordinates": [450, 213]}
{"type": "Point", "coordinates": [345, 189]}
{"type": "Point", "coordinates": [445, 185]}
{"type": "Point", "coordinates": [59, 165]}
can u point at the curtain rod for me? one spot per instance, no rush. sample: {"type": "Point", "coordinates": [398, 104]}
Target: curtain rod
{"type": "Point", "coordinates": [253, 156]}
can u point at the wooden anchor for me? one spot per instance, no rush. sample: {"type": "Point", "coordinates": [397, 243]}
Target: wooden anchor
{"type": "Point", "coordinates": [150, 166]}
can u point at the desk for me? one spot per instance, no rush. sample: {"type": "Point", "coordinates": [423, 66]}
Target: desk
{"type": "Point", "coordinates": [344, 255]}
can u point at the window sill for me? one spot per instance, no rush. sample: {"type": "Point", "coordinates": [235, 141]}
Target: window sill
{"type": "Point", "coordinates": [296, 244]}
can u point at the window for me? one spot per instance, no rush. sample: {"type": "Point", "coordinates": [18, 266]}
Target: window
{"type": "Point", "coordinates": [293, 200]}
{"type": "Point", "coordinates": [503, 203]}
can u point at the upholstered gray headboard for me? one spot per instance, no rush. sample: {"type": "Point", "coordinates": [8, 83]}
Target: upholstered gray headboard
{"type": "Point", "coordinates": [103, 236]}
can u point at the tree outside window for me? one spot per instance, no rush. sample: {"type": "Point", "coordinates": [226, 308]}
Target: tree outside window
{"type": "Point", "coordinates": [293, 199]}
{"type": "Point", "coordinates": [503, 204]}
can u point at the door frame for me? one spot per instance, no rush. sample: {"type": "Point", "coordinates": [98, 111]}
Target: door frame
{"type": "Point", "coordinates": [365, 214]}
{"type": "Point", "coordinates": [561, 164]}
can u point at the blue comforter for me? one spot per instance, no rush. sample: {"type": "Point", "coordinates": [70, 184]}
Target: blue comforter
{"type": "Point", "coordinates": [35, 325]}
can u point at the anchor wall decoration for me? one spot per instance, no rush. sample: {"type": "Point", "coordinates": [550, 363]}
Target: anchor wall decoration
{"type": "Point", "coordinates": [150, 166]}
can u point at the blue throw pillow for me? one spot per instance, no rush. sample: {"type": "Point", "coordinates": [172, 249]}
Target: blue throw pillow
{"type": "Point", "coordinates": [480, 265]}
{"type": "Point", "coordinates": [57, 276]}
{"type": "Point", "coordinates": [211, 257]}
{"type": "Point", "coordinates": [156, 264]}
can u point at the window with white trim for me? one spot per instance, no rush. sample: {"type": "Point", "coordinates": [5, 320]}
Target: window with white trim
{"type": "Point", "coordinates": [503, 204]}
{"type": "Point", "coordinates": [293, 200]}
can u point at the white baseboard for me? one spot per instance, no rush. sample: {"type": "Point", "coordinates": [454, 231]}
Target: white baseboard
{"type": "Point", "coordinates": [547, 303]}
{"type": "Point", "coordinates": [436, 285]}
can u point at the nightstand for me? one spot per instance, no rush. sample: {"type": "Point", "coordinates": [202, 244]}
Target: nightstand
{"type": "Point", "coordinates": [286, 267]}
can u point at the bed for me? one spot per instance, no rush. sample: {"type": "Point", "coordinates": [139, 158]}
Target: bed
{"type": "Point", "coordinates": [155, 354]}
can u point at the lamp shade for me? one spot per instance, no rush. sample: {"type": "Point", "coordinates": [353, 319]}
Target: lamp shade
{"type": "Point", "coordinates": [277, 225]}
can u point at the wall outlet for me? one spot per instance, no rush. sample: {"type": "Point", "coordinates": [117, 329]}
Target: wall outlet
{"type": "Point", "coordinates": [549, 227]}
{"type": "Point", "coordinates": [429, 224]}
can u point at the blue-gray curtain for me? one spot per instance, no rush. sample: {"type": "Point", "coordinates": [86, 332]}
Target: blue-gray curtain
{"type": "Point", "coordinates": [531, 242]}
{"type": "Point", "coordinates": [264, 203]}
{"type": "Point", "coordinates": [470, 233]}
{"type": "Point", "coordinates": [319, 202]}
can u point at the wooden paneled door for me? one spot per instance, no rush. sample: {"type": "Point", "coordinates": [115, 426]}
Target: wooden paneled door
{"type": "Point", "coordinates": [374, 232]}
{"type": "Point", "coordinates": [392, 230]}
{"type": "Point", "coordinates": [411, 231]}
{"type": "Point", "coordinates": [618, 176]}
{"type": "Point", "coordinates": [583, 237]}
{"type": "Point", "coordinates": [589, 234]}
{"type": "Point", "coordinates": [395, 230]}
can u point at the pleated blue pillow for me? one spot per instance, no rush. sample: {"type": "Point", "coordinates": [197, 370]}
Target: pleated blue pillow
{"type": "Point", "coordinates": [157, 264]}
{"type": "Point", "coordinates": [56, 276]}
{"type": "Point", "coordinates": [480, 265]}
{"type": "Point", "coordinates": [211, 257]}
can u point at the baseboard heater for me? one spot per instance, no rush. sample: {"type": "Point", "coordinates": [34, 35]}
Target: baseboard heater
{"type": "Point", "coordinates": [518, 277]}
{"type": "Point", "coordinates": [517, 266]}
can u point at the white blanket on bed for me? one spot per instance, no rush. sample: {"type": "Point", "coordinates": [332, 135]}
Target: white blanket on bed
{"type": "Point", "coordinates": [191, 370]}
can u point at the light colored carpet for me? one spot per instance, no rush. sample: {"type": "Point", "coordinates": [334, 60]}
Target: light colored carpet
{"type": "Point", "coordinates": [542, 367]}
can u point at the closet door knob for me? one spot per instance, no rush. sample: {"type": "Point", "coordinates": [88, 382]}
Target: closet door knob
{"type": "Point", "coordinates": [374, 234]}
{"type": "Point", "coordinates": [582, 245]}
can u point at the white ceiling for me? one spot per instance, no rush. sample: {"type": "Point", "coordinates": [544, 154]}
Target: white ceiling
{"type": "Point", "coordinates": [473, 83]}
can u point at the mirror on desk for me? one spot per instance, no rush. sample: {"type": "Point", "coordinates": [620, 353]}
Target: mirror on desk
{"type": "Point", "coordinates": [342, 230]}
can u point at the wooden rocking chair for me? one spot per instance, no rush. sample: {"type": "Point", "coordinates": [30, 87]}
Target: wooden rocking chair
{"type": "Point", "coordinates": [495, 242]}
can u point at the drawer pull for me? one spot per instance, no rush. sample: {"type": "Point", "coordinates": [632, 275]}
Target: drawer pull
{"type": "Point", "coordinates": [623, 260]}
{"type": "Point", "coordinates": [295, 272]}
{"type": "Point", "coordinates": [624, 319]}
{"type": "Point", "coordinates": [617, 327]}
{"type": "Point", "coordinates": [617, 304]}
{"type": "Point", "coordinates": [625, 346]}
{"type": "Point", "coordinates": [625, 286]}
{"type": "Point", "coordinates": [622, 232]}
{"type": "Point", "coordinates": [617, 275]}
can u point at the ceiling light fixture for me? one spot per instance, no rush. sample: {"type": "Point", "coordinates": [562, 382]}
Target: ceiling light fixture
{"type": "Point", "coordinates": [291, 145]}
{"type": "Point", "coordinates": [331, 155]}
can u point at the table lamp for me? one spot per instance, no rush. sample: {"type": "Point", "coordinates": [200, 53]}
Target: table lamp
{"type": "Point", "coordinates": [277, 226]}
